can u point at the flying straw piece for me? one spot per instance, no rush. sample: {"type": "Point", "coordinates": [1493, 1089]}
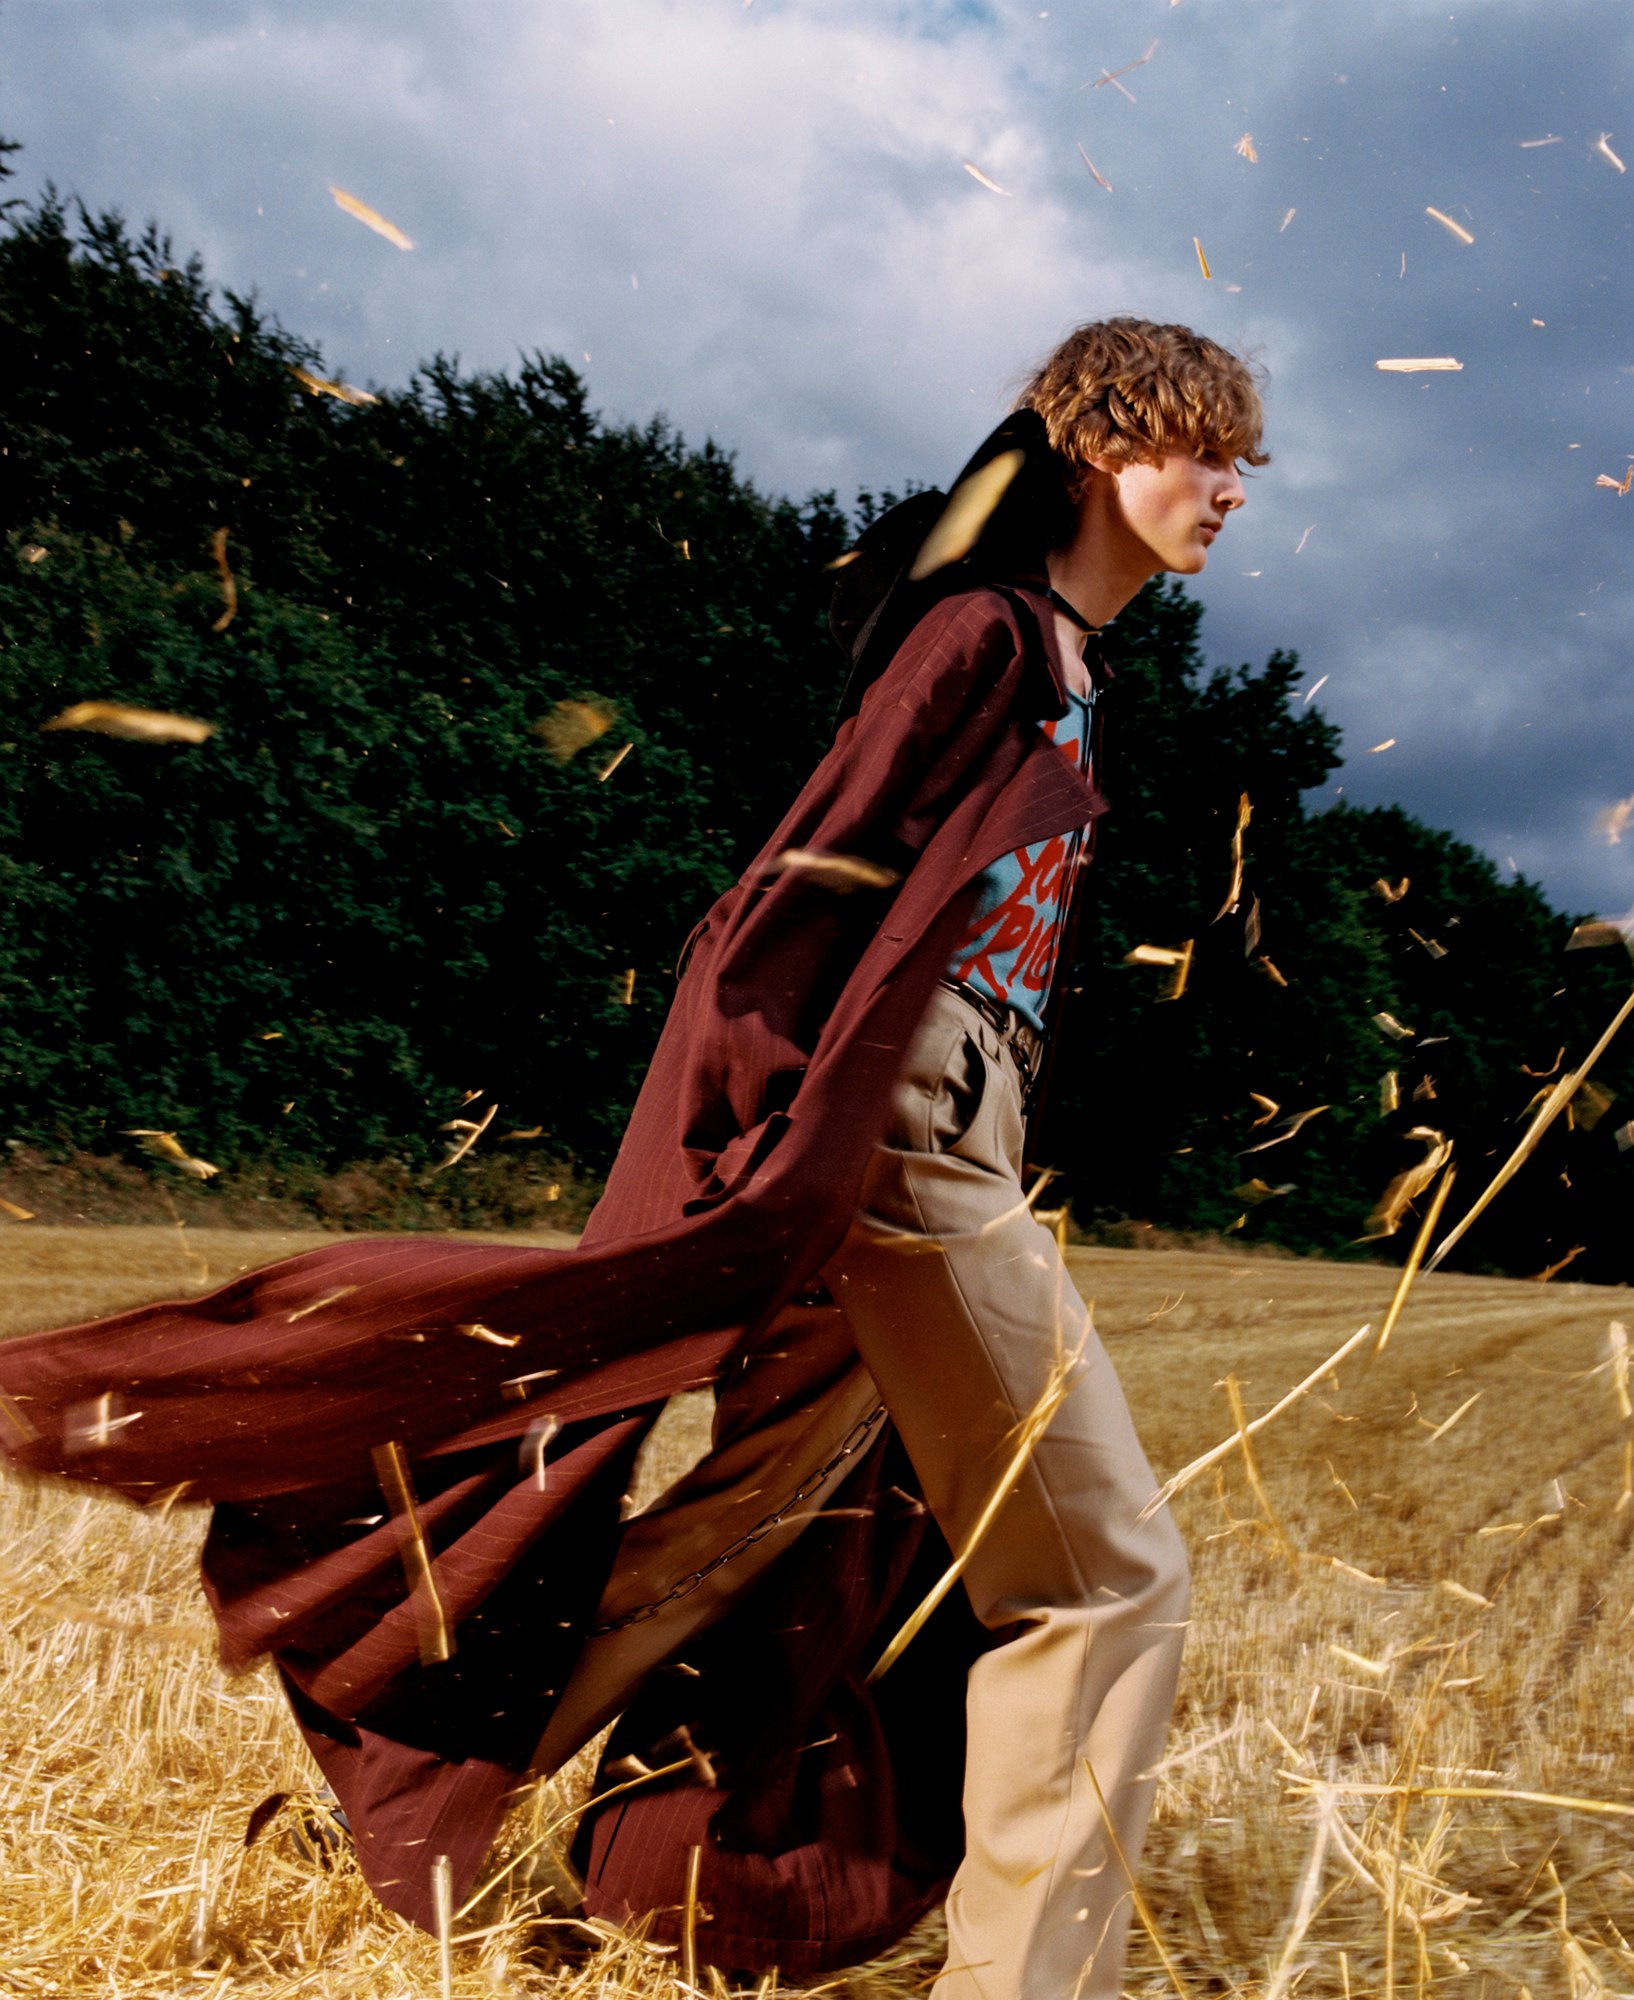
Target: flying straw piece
{"type": "Point", "coordinates": [1027, 1434]}
{"type": "Point", "coordinates": [1376, 1668]}
{"type": "Point", "coordinates": [1283, 224]}
{"type": "Point", "coordinates": [442, 1900]}
{"type": "Point", "coordinates": [1270, 1108]}
{"type": "Point", "coordinates": [1442, 364]}
{"type": "Point", "coordinates": [1389, 743]}
{"type": "Point", "coordinates": [571, 725]}
{"type": "Point", "coordinates": [840, 872]}
{"type": "Point", "coordinates": [15, 1418]}
{"type": "Point", "coordinates": [1159, 954]}
{"type": "Point", "coordinates": [135, 725]}
{"type": "Point", "coordinates": [644, 1776]}
{"type": "Point", "coordinates": [475, 1330]}
{"type": "Point", "coordinates": [470, 1130]}
{"type": "Point", "coordinates": [1315, 689]}
{"type": "Point", "coordinates": [166, 1146]}
{"type": "Point", "coordinates": [689, 1921]}
{"type": "Point", "coordinates": [1462, 1410]}
{"type": "Point", "coordinates": [1527, 145]}
{"type": "Point", "coordinates": [1603, 931]}
{"type": "Point", "coordinates": [1289, 1126]}
{"type": "Point", "coordinates": [17, 1214]}
{"type": "Point", "coordinates": [317, 1305]}
{"type": "Point", "coordinates": [1305, 1904]}
{"type": "Point", "coordinates": [1251, 1466]}
{"type": "Point", "coordinates": [535, 1443]}
{"type": "Point", "coordinates": [1245, 813]}
{"type": "Point", "coordinates": [519, 1387]}
{"type": "Point", "coordinates": [1246, 149]}
{"type": "Point", "coordinates": [613, 762]}
{"type": "Point", "coordinates": [956, 530]}
{"type": "Point", "coordinates": [1409, 1270]}
{"type": "Point", "coordinates": [1603, 148]}
{"type": "Point", "coordinates": [1299, 546]}
{"type": "Point", "coordinates": [1454, 228]}
{"type": "Point", "coordinates": [229, 587]}
{"type": "Point", "coordinates": [1617, 1343]}
{"type": "Point", "coordinates": [431, 1621]}
{"type": "Point", "coordinates": [1611, 823]}
{"type": "Point", "coordinates": [1111, 75]}
{"type": "Point", "coordinates": [1618, 486]}
{"type": "Point", "coordinates": [1095, 170]}
{"type": "Point", "coordinates": [1187, 1473]}
{"type": "Point", "coordinates": [371, 218]}
{"type": "Point", "coordinates": [1409, 1184]}
{"type": "Point", "coordinates": [1142, 1908]}
{"type": "Point", "coordinates": [1202, 261]}
{"type": "Point", "coordinates": [1028, 1204]}
{"type": "Point", "coordinates": [986, 180]}
{"type": "Point", "coordinates": [321, 385]}
{"type": "Point", "coordinates": [1386, 894]}
{"type": "Point", "coordinates": [1391, 1026]}
{"type": "Point", "coordinates": [1562, 1094]}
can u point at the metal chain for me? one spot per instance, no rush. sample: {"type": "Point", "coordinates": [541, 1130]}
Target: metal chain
{"type": "Point", "coordinates": [856, 1438]}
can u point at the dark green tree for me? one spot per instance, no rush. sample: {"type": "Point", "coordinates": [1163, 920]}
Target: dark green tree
{"type": "Point", "coordinates": [376, 887]}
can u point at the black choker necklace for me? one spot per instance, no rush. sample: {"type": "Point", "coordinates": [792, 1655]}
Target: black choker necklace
{"type": "Point", "coordinates": [1071, 611]}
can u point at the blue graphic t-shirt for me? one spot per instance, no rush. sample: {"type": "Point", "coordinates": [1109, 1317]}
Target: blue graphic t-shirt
{"type": "Point", "coordinates": [1009, 946]}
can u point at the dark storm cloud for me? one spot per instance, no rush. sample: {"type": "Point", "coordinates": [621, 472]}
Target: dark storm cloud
{"type": "Point", "coordinates": [756, 218]}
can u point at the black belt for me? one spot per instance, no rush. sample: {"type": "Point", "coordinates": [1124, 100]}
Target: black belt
{"type": "Point", "coordinates": [1023, 1039]}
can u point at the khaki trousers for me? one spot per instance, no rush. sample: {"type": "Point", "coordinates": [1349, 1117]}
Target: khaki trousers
{"type": "Point", "coordinates": [964, 1315]}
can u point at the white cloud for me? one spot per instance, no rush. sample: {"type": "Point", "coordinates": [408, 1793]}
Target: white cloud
{"type": "Point", "coordinates": [820, 285]}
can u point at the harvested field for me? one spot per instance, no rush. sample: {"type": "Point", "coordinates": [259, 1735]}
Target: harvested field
{"type": "Point", "coordinates": [1418, 1618]}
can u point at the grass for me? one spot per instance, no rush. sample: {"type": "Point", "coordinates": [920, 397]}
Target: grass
{"type": "Point", "coordinates": [1420, 1614]}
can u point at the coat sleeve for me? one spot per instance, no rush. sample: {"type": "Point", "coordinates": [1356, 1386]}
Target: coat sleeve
{"type": "Point", "coordinates": [780, 947]}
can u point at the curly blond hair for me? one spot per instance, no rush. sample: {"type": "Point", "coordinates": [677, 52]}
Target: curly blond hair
{"type": "Point", "coordinates": [1127, 389]}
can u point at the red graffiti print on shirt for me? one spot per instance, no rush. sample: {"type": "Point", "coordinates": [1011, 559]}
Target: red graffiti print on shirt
{"type": "Point", "coordinates": [1009, 947]}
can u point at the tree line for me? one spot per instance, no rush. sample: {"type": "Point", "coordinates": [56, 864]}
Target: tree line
{"type": "Point", "coordinates": [503, 694]}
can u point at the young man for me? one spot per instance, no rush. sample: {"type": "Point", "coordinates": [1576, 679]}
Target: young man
{"type": "Point", "coordinates": [955, 1298]}
{"type": "Point", "coordinates": [818, 1206]}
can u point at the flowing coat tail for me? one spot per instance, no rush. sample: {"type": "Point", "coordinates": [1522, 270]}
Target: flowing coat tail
{"type": "Point", "coordinates": [275, 1398]}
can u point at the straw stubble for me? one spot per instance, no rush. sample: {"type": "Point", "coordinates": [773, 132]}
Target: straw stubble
{"type": "Point", "coordinates": [1476, 1791]}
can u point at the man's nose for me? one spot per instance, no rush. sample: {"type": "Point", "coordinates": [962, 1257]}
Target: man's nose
{"type": "Point", "coordinates": [1230, 492]}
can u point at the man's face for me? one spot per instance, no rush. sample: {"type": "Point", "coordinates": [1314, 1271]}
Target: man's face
{"type": "Point", "coordinates": [1176, 505]}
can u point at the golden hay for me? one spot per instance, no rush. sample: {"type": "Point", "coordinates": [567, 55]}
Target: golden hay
{"type": "Point", "coordinates": [1362, 1793]}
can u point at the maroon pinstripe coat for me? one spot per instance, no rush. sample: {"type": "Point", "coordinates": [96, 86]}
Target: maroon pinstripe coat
{"type": "Point", "coordinates": [736, 1180]}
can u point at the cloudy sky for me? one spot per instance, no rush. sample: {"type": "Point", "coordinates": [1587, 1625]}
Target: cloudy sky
{"type": "Point", "coordinates": [755, 216]}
